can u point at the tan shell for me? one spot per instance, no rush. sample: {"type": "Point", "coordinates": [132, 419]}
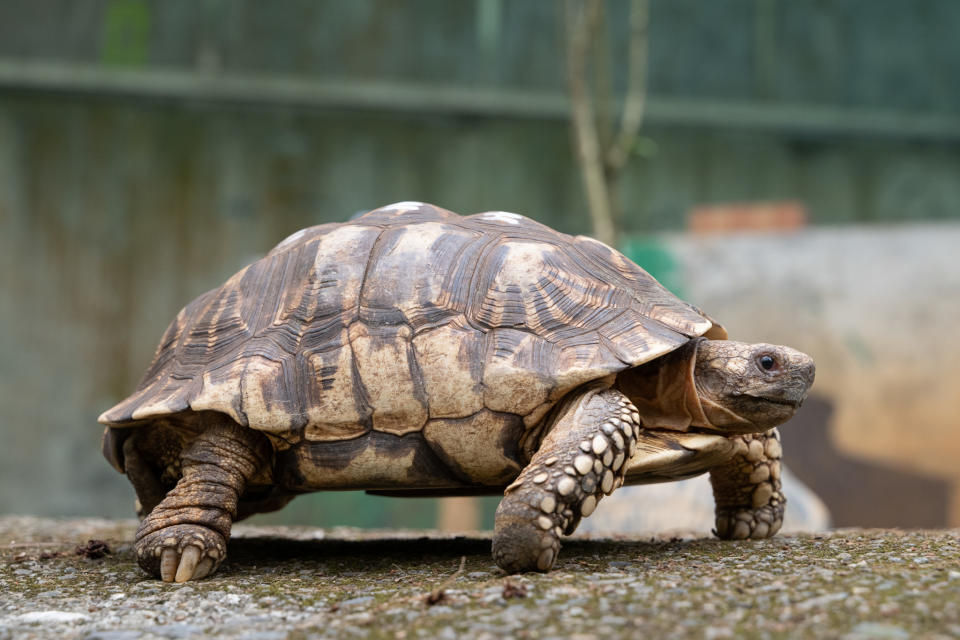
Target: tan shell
{"type": "Point", "coordinates": [407, 316]}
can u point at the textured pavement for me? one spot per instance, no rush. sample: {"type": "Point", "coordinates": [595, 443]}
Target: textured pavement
{"type": "Point", "coordinates": [308, 583]}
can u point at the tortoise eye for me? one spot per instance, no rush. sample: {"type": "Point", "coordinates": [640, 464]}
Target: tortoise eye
{"type": "Point", "coordinates": [767, 362]}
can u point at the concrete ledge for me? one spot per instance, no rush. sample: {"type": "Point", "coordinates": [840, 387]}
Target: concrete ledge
{"type": "Point", "coordinates": [307, 583]}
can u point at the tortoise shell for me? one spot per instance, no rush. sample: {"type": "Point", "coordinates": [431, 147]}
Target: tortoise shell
{"type": "Point", "coordinates": [408, 315]}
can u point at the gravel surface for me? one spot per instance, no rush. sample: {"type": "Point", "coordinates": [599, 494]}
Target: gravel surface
{"type": "Point", "coordinates": [341, 583]}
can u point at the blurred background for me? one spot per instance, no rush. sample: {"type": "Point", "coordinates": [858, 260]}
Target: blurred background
{"type": "Point", "coordinates": [791, 167]}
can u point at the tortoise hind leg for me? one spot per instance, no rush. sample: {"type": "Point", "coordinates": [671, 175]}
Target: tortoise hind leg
{"type": "Point", "coordinates": [581, 458]}
{"type": "Point", "coordinates": [184, 537]}
{"type": "Point", "coordinates": [747, 489]}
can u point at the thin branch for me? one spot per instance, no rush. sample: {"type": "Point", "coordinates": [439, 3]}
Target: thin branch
{"type": "Point", "coordinates": [602, 67]}
{"type": "Point", "coordinates": [439, 594]}
{"type": "Point", "coordinates": [580, 27]}
{"type": "Point", "coordinates": [635, 100]}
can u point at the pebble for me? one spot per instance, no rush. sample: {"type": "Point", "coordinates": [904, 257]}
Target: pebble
{"type": "Point", "coordinates": [821, 601]}
{"type": "Point", "coordinates": [876, 631]}
{"type": "Point", "coordinates": [51, 617]}
{"type": "Point", "coordinates": [120, 634]}
{"type": "Point", "coordinates": [175, 630]}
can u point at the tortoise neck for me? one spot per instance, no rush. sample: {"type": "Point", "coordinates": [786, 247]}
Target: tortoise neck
{"type": "Point", "coordinates": [664, 390]}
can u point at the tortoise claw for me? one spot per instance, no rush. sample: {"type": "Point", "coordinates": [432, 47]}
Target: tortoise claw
{"type": "Point", "coordinates": [181, 552]}
{"type": "Point", "coordinates": [169, 559]}
{"type": "Point", "coordinates": [188, 563]}
{"type": "Point", "coordinates": [204, 568]}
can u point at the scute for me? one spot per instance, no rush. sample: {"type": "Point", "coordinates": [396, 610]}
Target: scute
{"type": "Point", "coordinates": [335, 406]}
{"type": "Point", "coordinates": [390, 376]}
{"type": "Point", "coordinates": [398, 290]}
{"type": "Point", "coordinates": [451, 362]}
{"type": "Point", "coordinates": [482, 448]}
{"type": "Point", "coordinates": [406, 315]}
{"type": "Point", "coordinates": [517, 375]}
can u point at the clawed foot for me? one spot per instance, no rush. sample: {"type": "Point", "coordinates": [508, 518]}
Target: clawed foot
{"type": "Point", "coordinates": [181, 552]}
{"type": "Point", "coordinates": [519, 547]}
{"type": "Point", "coordinates": [582, 458]}
{"type": "Point", "coordinates": [747, 489]}
{"type": "Point", "coordinates": [756, 524]}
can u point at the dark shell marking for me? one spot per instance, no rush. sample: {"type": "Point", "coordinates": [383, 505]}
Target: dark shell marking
{"type": "Point", "coordinates": [409, 320]}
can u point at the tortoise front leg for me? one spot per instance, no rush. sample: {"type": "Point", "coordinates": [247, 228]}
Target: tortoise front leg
{"type": "Point", "coordinates": [185, 536]}
{"type": "Point", "coordinates": [747, 489]}
{"type": "Point", "coordinates": [581, 459]}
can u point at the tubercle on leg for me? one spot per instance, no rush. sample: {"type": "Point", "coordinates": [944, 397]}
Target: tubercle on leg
{"type": "Point", "coordinates": [581, 459]}
{"type": "Point", "coordinates": [747, 490]}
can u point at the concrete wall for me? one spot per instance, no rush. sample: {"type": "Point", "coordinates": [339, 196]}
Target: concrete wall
{"type": "Point", "coordinates": [877, 307]}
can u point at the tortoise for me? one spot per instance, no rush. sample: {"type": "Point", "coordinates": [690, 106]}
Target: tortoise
{"type": "Point", "coordinates": [412, 351]}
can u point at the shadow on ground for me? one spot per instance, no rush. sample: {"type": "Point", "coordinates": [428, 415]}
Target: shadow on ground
{"type": "Point", "coordinates": [383, 553]}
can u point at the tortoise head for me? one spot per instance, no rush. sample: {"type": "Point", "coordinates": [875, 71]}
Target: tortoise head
{"type": "Point", "coordinates": [720, 386]}
{"type": "Point", "coordinates": [750, 387]}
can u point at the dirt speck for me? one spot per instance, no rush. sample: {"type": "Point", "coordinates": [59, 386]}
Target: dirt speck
{"type": "Point", "coordinates": [513, 589]}
{"type": "Point", "coordinates": [93, 549]}
{"type": "Point", "coordinates": [437, 596]}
